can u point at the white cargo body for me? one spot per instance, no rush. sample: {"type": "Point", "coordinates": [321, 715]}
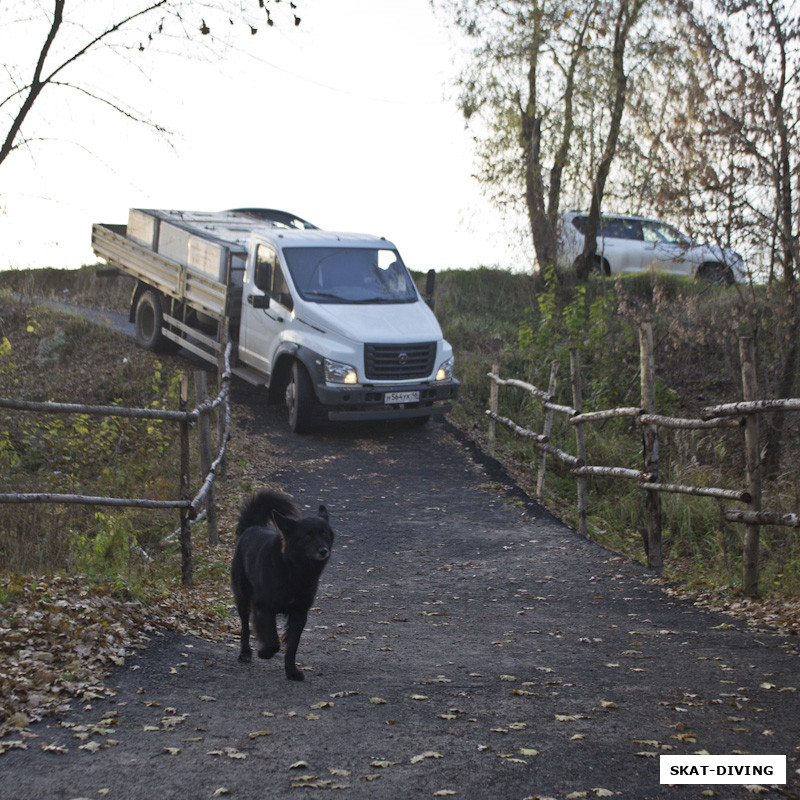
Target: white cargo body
{"type": "Point", "coordinates": [322, 319]}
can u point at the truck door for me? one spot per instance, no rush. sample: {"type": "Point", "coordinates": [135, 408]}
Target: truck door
{"type": "Point", "coordinates": [266, 308]}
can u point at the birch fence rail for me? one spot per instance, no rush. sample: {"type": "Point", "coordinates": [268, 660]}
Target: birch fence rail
{"type": "Point", "coordinates": [188, 506]}
{"type": "Point", "coordinates": [743, 414]}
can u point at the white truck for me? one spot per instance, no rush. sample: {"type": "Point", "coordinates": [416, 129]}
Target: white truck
{"type": "Point", "coordinates": [321, 319]}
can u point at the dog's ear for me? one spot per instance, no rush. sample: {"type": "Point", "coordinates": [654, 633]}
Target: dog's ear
{"type": "Point", "coordinates": [284, 524]}
{"type": "Point", "coordinates": [323, 512]}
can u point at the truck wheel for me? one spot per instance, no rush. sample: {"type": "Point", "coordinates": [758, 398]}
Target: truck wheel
{"type": "Point", "coordinates": [149, 319]}
{"type": "Point", "coordinates": [299, 399]}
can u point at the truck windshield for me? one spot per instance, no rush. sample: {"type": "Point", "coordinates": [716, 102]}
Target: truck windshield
{"type": "Point", "coordinates": [350, 275]}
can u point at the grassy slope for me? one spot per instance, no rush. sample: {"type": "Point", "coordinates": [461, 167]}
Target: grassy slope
{"type": "Point", "coordinates": [697, 364]}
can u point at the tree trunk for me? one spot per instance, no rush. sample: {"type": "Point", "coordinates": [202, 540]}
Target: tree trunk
{"type": "Point", "coordinates": [626, 17]}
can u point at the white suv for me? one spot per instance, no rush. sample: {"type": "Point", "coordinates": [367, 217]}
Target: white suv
{"type": "Point", "coordinates": [633, 244]}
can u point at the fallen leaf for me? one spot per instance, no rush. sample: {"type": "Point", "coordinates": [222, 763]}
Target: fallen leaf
{"type": "Point", "coordinates": [377, 701]}
{"type": "Point", "coordinates": [528, 751]}
{"type": "Point", "coordinates": [53, 748]}
{"type": "Point", "coordinates": [299, 765]}
{"type": "Point", "coordinates": [256, 734]}
{"type": "Point", "coordinates": [426, 754]}
{"type": "Point", "coordinates": [173, 751]}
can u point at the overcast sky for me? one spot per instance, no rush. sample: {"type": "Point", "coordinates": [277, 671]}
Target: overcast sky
{"type": "Point", "coordinates": [348, 120]}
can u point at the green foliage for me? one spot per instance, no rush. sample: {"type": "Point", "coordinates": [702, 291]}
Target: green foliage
{"type": "Point", "coordinates": [108, 555]}
{"type": "Point", "coordinates": [697, 364]}
{"type": "Point", "coordinates": [80, 454]}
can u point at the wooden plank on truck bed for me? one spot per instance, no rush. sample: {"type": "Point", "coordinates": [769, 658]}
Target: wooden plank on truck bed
{"type": "Point", "coordinates": [199, 291]}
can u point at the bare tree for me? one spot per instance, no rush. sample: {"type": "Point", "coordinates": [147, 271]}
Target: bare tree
{"type": "Point", "coordinates": [66, 32]}
{"type": "Point", "coordinates": [545, 92]}
{"type": "Point", "coordinates": [627, 15]}
{"type": "Point", "coordinates": [725, 156]}
{"type": "Point", "coordinates": [723, 128]}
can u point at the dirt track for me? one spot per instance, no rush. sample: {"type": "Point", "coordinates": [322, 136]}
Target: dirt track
{"type": "Point", "coordinates": [464, 644]}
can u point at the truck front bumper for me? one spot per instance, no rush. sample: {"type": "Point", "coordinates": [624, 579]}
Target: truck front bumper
{"type": "Point", "coordinates": [369, 402]}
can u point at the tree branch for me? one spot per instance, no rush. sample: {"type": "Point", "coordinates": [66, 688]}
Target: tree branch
{"type": "Point", "coordinates": [36, 84]}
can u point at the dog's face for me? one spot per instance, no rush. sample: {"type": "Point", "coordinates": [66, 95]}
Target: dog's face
{"type": "Point", "coordinates": [306, 539]}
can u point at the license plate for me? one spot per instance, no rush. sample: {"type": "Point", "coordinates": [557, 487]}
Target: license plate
{"type": "Point", "coordinates": [401, 397]}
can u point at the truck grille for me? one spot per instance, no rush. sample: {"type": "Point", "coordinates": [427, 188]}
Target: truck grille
{"type": "Point", "coordinates": [399, 361]}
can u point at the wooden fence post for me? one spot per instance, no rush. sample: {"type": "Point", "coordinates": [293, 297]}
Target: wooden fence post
{"type": "Point", "coordinates": [750, 570]}
{"type": "Point", "coordinates": [493, 391]}
{"type": "Point", "coordinates": [221, 429]}
{"type": "Point", "coordinates": [650, 441]}
{"type": "Point", "coordinates": [186, 530]}
{"type": "Point", "coordinates": [204, 431]}
{"type": "Point", "coordinates": [580, 435]}
{"type": "Point", "coordinates": [548, 426]}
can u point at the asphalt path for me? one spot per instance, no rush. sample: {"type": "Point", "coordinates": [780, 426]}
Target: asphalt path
{"type": "Point", "coordinates": [464, 643]}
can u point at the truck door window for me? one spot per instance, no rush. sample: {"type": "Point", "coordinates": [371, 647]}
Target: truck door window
{"type": "Point", "coordinates": [266, 259]}
{"type": "Point", "coordinates": [269, 278]}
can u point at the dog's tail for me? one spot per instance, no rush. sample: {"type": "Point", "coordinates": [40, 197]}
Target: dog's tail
{"type": "Point", "coordinates": [259, 508]}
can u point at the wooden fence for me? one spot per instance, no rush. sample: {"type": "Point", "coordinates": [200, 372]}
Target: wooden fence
{"type": "Point", "coordinates": [187, 506]}
{"type": "Point", "coordinates": [743, 414]}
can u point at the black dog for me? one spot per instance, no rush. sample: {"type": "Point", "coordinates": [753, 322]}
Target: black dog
{"type": "Point", "coordinates": [277, 572]}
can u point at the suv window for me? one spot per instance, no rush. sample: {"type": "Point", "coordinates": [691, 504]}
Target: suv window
{"type": "Point", "coordinates": [662, 233]}
{"type": "Point", "coordinates": [613, 227]}
{"type": "Point", "coordinates": [579, 223]}
{"type": "Point", "coordinates": [621, 228]}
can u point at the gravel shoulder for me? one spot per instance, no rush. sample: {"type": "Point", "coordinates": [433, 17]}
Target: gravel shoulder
{"type": "Point", "coordinates": [464, 643]}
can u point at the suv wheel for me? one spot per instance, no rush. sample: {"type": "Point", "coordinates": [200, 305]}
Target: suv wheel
{"type": "Point", "coordinates": [715, 273]}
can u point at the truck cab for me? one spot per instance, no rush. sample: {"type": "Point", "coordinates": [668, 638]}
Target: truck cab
{"type": "Point", "coordinates": [336, 319]}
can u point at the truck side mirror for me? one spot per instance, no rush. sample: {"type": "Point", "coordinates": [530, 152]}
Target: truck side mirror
{"type": "Point", "coordinates": [262, 275]}
{"type": "Point", "coordinates": [430, 287]}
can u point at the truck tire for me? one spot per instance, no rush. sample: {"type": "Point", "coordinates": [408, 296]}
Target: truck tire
{"type": "Point", "coordinates": [148, 320]}
{"type": "Point", "coordinates": [299, 399]}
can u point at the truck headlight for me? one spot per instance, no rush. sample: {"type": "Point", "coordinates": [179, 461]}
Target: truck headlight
{"type": "Point", "coordinates": [336, 372]}
{"type": "Point", "coordinates": [445, 371]}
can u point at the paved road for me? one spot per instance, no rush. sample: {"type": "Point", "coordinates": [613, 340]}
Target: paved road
{"type": "Point", "coordinates": [464, 644]}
